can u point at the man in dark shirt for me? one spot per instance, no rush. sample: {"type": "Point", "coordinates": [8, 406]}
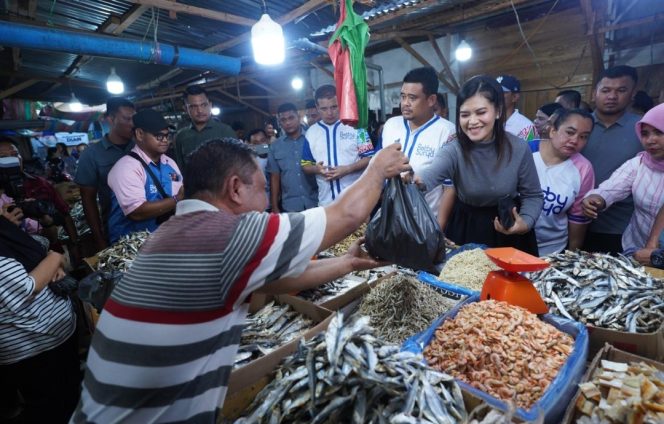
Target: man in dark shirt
{"type": "Point", "coordinates": [202, 128]}
{"type": "Point", "coordinates": [96, 162]}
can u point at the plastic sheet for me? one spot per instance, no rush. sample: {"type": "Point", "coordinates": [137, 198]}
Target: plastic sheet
{"type": "Point", "coordinates": [97, 287]}
{"type": "Point", "coordinates": [404, 230]}
{"type": "Point", "coordinates": [561, 390]}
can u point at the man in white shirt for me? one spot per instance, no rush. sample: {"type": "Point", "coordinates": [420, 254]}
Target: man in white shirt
{"type": "Point", "coordinates": [336, 153]}
{"type": "Point", "coordinates": [419, 130]}
{"type": "Point", "coordinates": [516, 123]}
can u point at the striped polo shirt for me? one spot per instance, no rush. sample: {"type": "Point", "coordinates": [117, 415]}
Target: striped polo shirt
{"type": "Point", "coordinates": [29, 324]}
{"type": "Point", "coordinates": [165, 343]}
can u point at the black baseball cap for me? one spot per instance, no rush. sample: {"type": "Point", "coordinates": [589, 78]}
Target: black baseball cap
{"type": "Point", "coordinates": [150, 120]}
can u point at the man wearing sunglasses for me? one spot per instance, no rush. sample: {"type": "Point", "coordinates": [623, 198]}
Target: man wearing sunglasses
{"type": "Point", "coordinates": [146, 183]}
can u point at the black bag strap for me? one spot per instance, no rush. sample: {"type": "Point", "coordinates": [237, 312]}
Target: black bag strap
{"type": "Point", "coordinates": [156, 181]}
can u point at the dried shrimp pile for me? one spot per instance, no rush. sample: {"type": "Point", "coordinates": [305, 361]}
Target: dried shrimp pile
{"type": "Point", "coordinates": [468, 269]}
{"type": "Point", "coordinates": [400, 307]}
{"type": "Point", "coordinates": [341, 248]}
{"type": "Point", "coordinates": [500, 349]}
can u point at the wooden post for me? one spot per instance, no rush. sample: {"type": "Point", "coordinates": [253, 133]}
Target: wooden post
{"type": "Point", "coordinates": [595, 50]}
{"type": "Point", "coordinates": [445, 63]}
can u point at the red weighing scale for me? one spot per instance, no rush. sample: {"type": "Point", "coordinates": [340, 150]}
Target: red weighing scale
{"type": "Point", "coordinates": [510, 286]}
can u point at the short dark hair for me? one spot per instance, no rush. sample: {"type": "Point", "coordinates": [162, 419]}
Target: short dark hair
{"type": "Point", "coordinates": [286, 107]}
{"type": "Point", "coordinates": [254, 132]}
{"type": "Point", "coordinates": [426, 76]}
{"type": "Point", "coordinates": [310, 104]}
{"type": "Point", "coordinates": [113, 105]}
{"type": "Point", "coordinates": [326, 91]}
{"type": "Point", "coordinates": [619, 72]}
{"type": "Point", "coordinates": [488, 88]}
{"type": "Point", "coordinates": [213, 162]}
{"type": "Point", "coordinates": [560, 116]}
{"type": "Point", "coordinates": [572, 96]}
{"type": "Point", "coordinates": [193, 90]}
{"type": "Point", "coordinates": [440, 98]}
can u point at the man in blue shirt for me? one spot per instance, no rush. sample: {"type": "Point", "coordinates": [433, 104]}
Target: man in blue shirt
{"type": "Point", "coordinates": [95, 163]}
{"type": "Point", "coordinates": [291, 189]}
{"type": "Point", "coordinates": [146, 183]}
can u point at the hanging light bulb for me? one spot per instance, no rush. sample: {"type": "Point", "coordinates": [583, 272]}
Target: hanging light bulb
{"type": "Point", "coordinates": [267, 40]}
{"type": "Point", "coordinates": [215, 111]}
{"type": "Point", "coordinates": [74, 104]}
{"type": "Point", "coordinates": [463, 51]}
{"type": "Point", "coordinates": [297, 83]}
{"type": "Point", "coordinates": [114, 84]}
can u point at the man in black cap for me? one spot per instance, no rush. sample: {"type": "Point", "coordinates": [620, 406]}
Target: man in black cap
{"type": "Point", "coordinates": [515, 123]}
{"type": "Point", "coordinates": [146, 183]}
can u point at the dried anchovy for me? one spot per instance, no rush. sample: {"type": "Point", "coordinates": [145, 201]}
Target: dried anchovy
{"type": "Point", "coordinates": [80, 222]}
{"type": "Point", "coordinates": [622, 393]}
{"type": "Point", "coordinates": [348, 375]}
{"type": "Point", "coordinates": [328, 290]}
{"type": "Point", "coordinates": [501, 349]}
{"type": "Point", "coordinates": [341, 248]}
{"type": "Point", "coordinates": [602, 290]}
{"type": "Point", "coordinates": [122, 253]}
{"type": "Point", "coordinates": [400, 307]}
{"type": "Point", "coordinates": [468, 269]}
{"type": "Point", "coordinates": [266, 330]}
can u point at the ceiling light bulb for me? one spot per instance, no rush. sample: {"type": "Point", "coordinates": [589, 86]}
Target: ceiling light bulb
{"type": "Point", "coordinates": [267, 40]}
{"type": "Point", "coordinates": [74, 104]}
{"type": "Point", "coordinates": [216, 111]}
{"type": "Point", "coordinates": [297, 83]}
{"type": "Point", "coordinates": [463, 51]}
{"type": "Point", "coordinates": [114, 84]}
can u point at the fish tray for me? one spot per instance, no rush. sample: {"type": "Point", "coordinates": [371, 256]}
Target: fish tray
{"type": "Point", "coordinates": [447, 289]}
{"type": "Point", "coordinates": [648, 345]}
{"type": "Point", "coordinates": [245, 382]}
{"type": "Point", "coordinates": [556, 397]}
{"type": "Point", "coordinates": [610, 353]}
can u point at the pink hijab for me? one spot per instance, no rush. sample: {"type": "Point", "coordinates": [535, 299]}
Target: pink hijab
{"type": "Point", "coordinates": [654, 117]}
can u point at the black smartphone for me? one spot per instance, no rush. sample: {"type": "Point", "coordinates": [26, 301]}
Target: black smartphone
{"type": "Point", "coordinates": [505, 206]}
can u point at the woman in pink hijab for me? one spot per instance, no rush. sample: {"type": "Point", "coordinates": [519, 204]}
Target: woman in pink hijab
{"type": "Point", "coordinates": [642, 177]}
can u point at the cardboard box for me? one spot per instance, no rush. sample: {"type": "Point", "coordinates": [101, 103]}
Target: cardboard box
{"type": "Point", "coordinates": [612, 354]}
{"type": "Point", "coordinates": [648, 345]}
{"type": "Point", "coordinates": [343, 299]}
{"type": "Point", "coordinates": [91, 262]}
{"type": "Point", "coordinates": [245, 383]}
{"type": "Point", "coordinates": [655, 272]}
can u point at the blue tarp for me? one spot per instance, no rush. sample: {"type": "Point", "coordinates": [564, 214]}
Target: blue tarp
{"type": "Point", "coordinates": [561, 390]}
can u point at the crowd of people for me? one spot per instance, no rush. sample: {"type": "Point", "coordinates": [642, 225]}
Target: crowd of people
{"type": "Point", "coordinates": [239, 212]}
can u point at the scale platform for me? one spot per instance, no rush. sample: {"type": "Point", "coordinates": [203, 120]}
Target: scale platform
{"type": "Point", "coordinates": [510, 286]}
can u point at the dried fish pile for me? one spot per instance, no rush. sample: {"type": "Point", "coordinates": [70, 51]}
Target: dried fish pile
{"type": "Point", "coordinates": [268, 329]}
{"type": "Point", "coordinates": [401, 306]}
{"type": "Point", "coordinates": [341, 248]}
{"type": "Point", "coordinates": [80, 222]}
{"type": "Point", "coordinates": [468, 269]}
{"type": "Point", "coordinates": [122, 253]}
{"type": "Point", "coordinates": [602, 290]}
{"type": "Point", "coordinates": [329, 290]}
{"type": "Point", "coordinates": [622, 393]}
{"type": "Point", "coordinates": [484, 414]}
{"type": "Point", "coordinates": [348, 375]}
{"type": "Point", "coordinates": [501, 349]}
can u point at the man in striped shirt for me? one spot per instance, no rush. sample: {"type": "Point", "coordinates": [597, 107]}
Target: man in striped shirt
{"type": "Point", "coordinates": [165, 342]}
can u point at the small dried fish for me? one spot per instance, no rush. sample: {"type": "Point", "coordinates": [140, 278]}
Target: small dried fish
{"type": "Point", "coordinates": [501, 349]}
{"type": "Point", "coordinates": [348, 375]}
{"type": "Point", "coordinates": [329, 290]}
{"type": "Point", "coordinates": [341, 248]}
{"type": "Point", "coordinates": [468, 269]}
{"type": "Point", "coordinates": [602, 290]}
{"type": "Point", "coordinates": [619, 393]}
{"type": "Point", "coordinates": [122, 253]}
{"type": "Point", "coordinates": [80, 222]}
{"type": "Point", "coordinates": [401, 306]}
{"type": "Point", "coordinates": [268, 329]}
{"type": "Point", "coordinates": [484, 414]}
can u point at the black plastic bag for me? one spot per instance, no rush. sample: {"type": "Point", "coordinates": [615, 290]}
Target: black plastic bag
{"type": "Point", "coordinates": [96, 288]}
{"type": "Point", "coordinates": [404, 230]}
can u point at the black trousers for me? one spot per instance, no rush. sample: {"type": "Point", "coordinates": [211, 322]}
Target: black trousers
{"type": "Point", "coordinates": [603, 243]}
{"type": "Point", "coordinates": [50, 383]}
{"type": "Point", "coordinates": [472, 224]}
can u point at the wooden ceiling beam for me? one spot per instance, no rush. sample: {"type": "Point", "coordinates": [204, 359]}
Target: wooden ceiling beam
{"type": "Point", "coordinates": [239, 100]}
{"type": "Point", "coordinates": [595, 49]}
{"type": "Point", "coordinates": [18, 87]}
{"type": "Point", "coordinates": [173, 6]}
{"type": "Point", "coordinates": [630, 24]}
{"type": "Point", "coordinates": [283, 20]}
{"type": "Point", "coordinates": [445, 63]}
{"type": "Point", "coordinates": [423, 61]}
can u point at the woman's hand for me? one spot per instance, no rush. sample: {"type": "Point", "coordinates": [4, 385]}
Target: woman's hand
{"type": "Point", "coordinates": [59, 275]}
{"type": "Point", "coordinates": [519, 227]}
{"type": "Point", "coordinates": [642, 256]}
{"type": "Point", "coordinates": [360, 260]}
{"type": "Point", "coordinates": [15, 216]}
{"type": "Point", "coordinates": [592, 205]}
